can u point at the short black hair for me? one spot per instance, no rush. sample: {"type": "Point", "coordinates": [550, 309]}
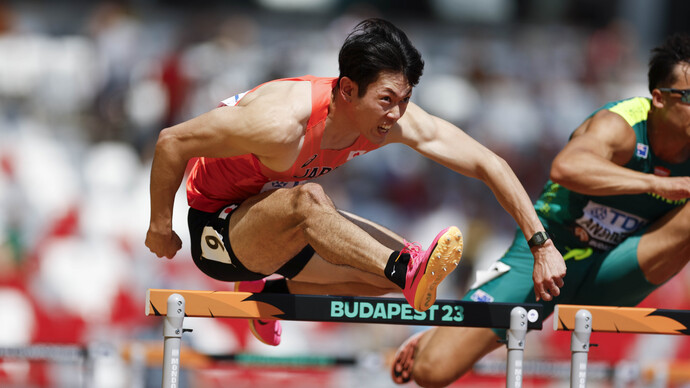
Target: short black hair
{"type": "Point", "coordinates": [674, 50]}
{"type": "Point", "coordinates": [376, 45]}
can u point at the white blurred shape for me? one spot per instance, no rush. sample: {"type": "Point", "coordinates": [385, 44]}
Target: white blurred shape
{"type": "Point", "coordinates": [20, 63]}
{"type": "Point", "coordinates": [211, 337]}
{"type": "Point", "coordinates": [18, 320]}
{"type": "Point", "coordinates": [511, 118]}
{"type": "Point", "coordinates": [146, 103]}
{"type": "Point", "coordinates": [110, 372]}
{"type": "Point", "coordinates": [45, 173]}
{"type": "Point", "coordinates": [449, 97]}
{"type": "Point", "coordinates": [84, 276]}
{"type": "Point", "coordinates": [69, 74]}
{"type": "Point", "coordinates": [110, 168]}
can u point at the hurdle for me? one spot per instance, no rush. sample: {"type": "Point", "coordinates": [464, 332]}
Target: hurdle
{"type": "Point", "coordinates": [83, 356]}
{"type": "Point", "coordinates": [177, 304]}
{"type": "Point", "coordinates": [583, 320]}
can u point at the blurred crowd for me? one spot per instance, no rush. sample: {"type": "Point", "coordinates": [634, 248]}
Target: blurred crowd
{"type": "Point", "coordinates": [86, 87]}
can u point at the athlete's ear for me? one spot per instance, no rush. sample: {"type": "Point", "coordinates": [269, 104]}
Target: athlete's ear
{"type": "Point", "coordinates": [658, 100]}
{"type": "Point", "coordinates": [348, 88]}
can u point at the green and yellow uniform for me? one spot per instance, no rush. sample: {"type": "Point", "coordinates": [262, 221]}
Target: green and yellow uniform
{"type": "Point", "coordinates": [597, 235]}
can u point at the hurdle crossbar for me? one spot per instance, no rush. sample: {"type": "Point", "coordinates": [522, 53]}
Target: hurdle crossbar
{"type": "Point", "coordinates": [320, 308]}
{"type": "Point", "coordinates": [583, 320]}
{"type": "Point", "coordinates": [175, 305]}
{"type": "Point", "coordinates": [625, 319]}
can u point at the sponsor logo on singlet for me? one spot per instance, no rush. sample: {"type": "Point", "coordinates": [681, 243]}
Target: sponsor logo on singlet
{"type": "Point", "coordinates": [604, 227]}
{"type": "Point", "coordinates": [272, 185]}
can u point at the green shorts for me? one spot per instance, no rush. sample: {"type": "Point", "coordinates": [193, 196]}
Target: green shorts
{"type": "Point", "coordinates": [611, 278]}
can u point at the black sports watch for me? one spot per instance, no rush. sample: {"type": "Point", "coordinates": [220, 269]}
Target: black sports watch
{"type": "Point", "coordinates": [538, 239]}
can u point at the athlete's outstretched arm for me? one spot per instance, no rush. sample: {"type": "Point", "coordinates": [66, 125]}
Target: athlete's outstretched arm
{"type": "Point", "coordinates": [592, 162]}
{"type": "Point", "coordinates": [448, 145]}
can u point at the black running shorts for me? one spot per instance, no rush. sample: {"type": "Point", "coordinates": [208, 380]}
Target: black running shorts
{"type": "Point", "coordinates": [213, 254]}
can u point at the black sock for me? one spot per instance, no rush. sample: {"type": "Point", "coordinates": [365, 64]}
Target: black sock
{"type": "Point", "coordinates": [396, 268]}
{"type": "Point", "coordinates": [276, 286]}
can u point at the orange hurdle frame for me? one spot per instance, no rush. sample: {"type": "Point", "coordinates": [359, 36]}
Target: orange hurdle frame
{"type": "Point", "coordinates": [583, 320]}
{"type": "Point", "coordinates": [176, 304]}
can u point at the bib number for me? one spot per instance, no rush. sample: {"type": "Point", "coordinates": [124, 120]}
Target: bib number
{"type": "Point", "coordinates": [212, 247]}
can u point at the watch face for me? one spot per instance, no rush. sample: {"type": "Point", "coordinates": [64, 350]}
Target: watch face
{"type": "Point", "coordinates": [539, 238]}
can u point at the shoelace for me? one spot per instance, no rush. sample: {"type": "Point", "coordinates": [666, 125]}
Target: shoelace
{"type": "Point", "coordinates": [412, 248]}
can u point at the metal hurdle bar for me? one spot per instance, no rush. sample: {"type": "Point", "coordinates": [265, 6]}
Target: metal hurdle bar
{"type": "Point", "coordinates": [176, 304]}
{"type": "Point", "coordinates": [583, 320]}
{"type": "Point", "coordinates": [85, 357]}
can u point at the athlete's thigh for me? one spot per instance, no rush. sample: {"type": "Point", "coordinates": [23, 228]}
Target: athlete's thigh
{"type": "Point", "coordinates": [264, 230]}
{"type": "Point", "coordinates": [616, 278]}
{"type": "Point", "coordinates": [320, 271]}
{"type": "Point", "coordinates": [382, 234]}
{"type": "Point", "coordinates": [664, 248]}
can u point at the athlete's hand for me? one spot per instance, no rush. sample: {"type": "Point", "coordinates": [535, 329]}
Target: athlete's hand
{"type": "Point", "coordinates": [673, 188]}
{"type": "Point", "coordinates": [164, 244]}
{"type": "Point", "coordinates": [549, 270]}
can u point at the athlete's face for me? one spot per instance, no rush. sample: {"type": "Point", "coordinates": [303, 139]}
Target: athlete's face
{"type": "Point", "coordinates": [676, 111]}
{"type": "Point", "coordinates": [383, 104]}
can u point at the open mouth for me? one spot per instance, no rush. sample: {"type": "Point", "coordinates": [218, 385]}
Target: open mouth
{"type": "Point", "coordinates": [384, 128]}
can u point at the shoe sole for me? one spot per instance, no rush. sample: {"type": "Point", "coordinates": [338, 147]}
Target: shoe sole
{"type": "Point", "coordinates": [254, 322]}
{"type": "Point", "coordinates": [444, 258]}
{"type": "Point", "coordinates": [401, 371]}
{"type": "Point", "coordinates": [252, 328]}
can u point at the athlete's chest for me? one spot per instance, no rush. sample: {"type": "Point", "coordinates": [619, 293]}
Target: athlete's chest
{"type": "Point", "coordinates": [322, 149]}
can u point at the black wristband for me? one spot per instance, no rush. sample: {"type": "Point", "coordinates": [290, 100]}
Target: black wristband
{"type": "Point", "coordinates": [538, 239]}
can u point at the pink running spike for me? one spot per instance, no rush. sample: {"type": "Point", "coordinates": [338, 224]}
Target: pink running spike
{"type": "Point", "coordinates": [425, 271]}
{"type": "Point", "coordinates": [266, 331]}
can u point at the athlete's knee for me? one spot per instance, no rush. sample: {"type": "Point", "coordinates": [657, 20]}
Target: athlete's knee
{"type": "Point", "coordinates": [432, 368]}
{"type": "Point", "coordinates": [441, 362]}
{"type": "Point", "coordinates": [310, 197]}
{"type": "Point", "coordinates": [440, 374]}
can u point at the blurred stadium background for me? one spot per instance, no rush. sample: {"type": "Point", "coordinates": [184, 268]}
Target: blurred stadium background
{"type": "Point", "coordinates": [85, 87]}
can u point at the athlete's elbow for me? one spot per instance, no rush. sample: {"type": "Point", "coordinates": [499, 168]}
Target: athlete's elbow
{"type": "Point", "coordinates": [562, 172]}
{"type": "Point", "coordinates": [167, 143]}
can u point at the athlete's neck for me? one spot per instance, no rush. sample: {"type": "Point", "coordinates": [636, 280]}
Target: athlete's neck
{"type": "Point", "coordinates": [669, 146]}
{"type": "Point", "coordinates": [339, 131]}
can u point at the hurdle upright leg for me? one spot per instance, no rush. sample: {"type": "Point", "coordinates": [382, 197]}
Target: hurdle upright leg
{"type": "Point", "coordinates": [172, 334]}
{"type": "Point", "coordinates": [579, 346]}
{"type": "Point", "coordinates": [516, 346]}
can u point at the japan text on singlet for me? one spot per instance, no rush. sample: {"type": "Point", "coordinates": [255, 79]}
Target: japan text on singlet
{"type": "Point", "coordinates": [603, 222]}
{"type": "Point", "coordinates": [216, 182]}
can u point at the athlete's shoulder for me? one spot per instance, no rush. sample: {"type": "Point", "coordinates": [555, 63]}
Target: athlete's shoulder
{"type": "Point", "coordinates": [280, 99]}
{"type": "Point", "coordinates": [633, 110]}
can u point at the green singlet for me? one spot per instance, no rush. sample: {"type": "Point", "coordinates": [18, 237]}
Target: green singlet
{"type": "Point", "coordinates": [597, 235]}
